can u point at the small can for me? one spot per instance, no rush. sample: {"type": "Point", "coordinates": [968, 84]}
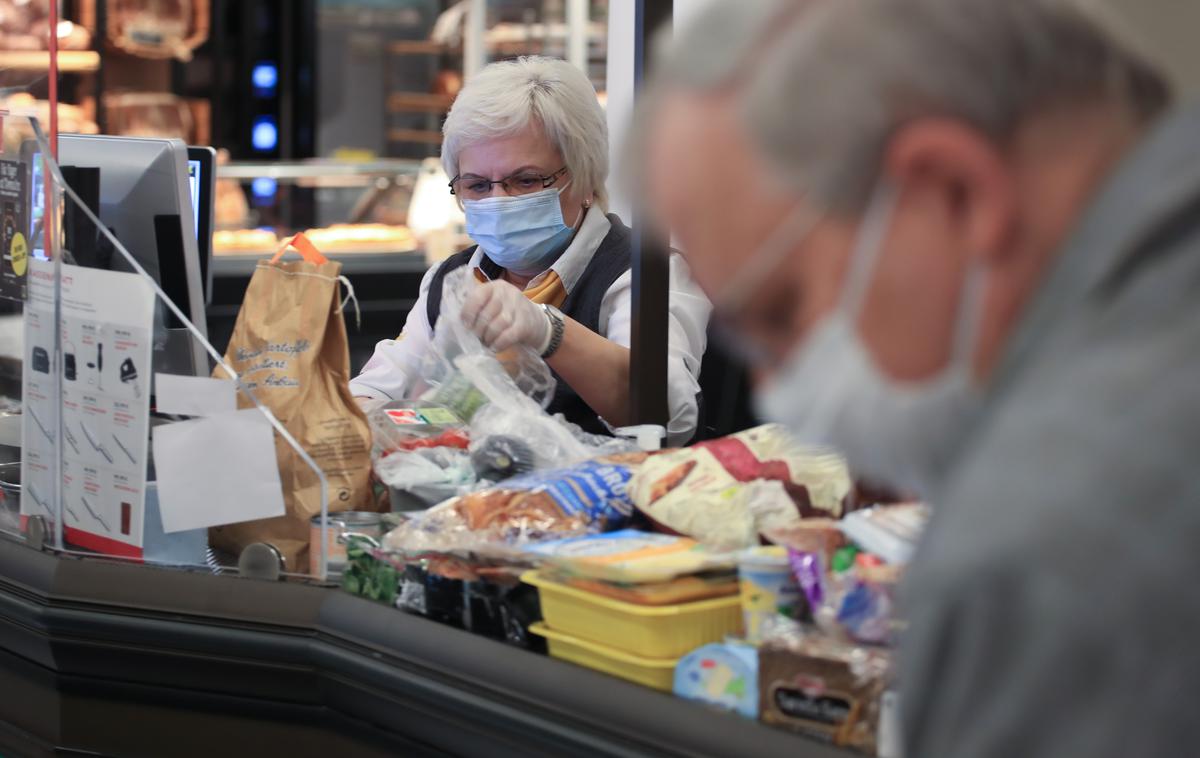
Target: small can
{"type": "Point", "coordinates": [362, 523]}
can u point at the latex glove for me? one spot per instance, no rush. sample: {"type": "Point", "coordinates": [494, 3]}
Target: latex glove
{"type": "Point", "coordinates": [502, 317]}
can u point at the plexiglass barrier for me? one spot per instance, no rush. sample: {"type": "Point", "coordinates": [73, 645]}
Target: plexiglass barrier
{"type": "Point", "coordinates": [95, 345]}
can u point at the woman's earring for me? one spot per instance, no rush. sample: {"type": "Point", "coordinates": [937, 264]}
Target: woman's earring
{"type": "Point", "coordinates": [587, 203]}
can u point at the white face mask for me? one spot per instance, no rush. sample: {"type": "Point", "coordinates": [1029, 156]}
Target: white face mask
{"type": "Point", "coordinates": [830, 392]}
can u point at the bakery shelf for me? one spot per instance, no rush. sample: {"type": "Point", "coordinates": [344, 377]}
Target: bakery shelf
{"type": "Point", "coordinates": [429, 136]}
{"type": "Point", "coordinates": [410, 261]}
{"type": "Point", "coordinates": [69, 61]}
{"type": "Point", "coordinates": [404, 102]}
{"type": "Point", "coordinates": [316, 169]}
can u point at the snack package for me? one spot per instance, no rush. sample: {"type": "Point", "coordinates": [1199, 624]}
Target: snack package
{"type": "Point", "coordinates": [824, 689]}
{"type": "Point", "coordinates": [708, 491]}
{"type": "Point", "coordinates": [588, 497]}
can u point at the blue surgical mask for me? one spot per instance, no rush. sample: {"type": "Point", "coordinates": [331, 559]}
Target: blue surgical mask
{"type": "Point", "coordinates": [522, 233]}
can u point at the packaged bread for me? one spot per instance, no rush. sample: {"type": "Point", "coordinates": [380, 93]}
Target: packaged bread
{"type": "Point", "coordinates": [542, 505]}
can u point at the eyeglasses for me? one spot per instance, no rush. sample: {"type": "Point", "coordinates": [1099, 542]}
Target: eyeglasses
{"type": "Point", "coordinates": [472, 187]}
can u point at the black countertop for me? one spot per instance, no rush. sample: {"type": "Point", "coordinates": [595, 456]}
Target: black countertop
{"type": "Point", "coordinates": [116, 659]}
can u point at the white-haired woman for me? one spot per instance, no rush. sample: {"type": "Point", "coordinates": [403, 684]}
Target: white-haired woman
{"type": "Point", "coordinates": [527, 145]}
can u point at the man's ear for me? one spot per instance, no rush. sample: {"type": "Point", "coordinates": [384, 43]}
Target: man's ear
{"type": "Point", "coordinates": [961, 169]}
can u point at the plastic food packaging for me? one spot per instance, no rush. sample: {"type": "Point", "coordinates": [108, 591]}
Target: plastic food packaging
{"type": "Point", "coordinates": [658, 632]}
{"type": "Point", "coordinates": [768, 588]}
{"type": "Point", "coordinates": [656, 673]}
{"type": "Point", "coordinates": [708, 491]}
{"type": "Point", "coordinates": [588, 497]}
{"type": "Point", "coordinates": [723, 675]}
{"type": "Point", "coordinates": [640, 567]}
{"type": "Point", "coordinates": [632, 557]}
{"type": "Point", "coordinates": [419, 479]}
{"type": "Point", "coordinates": [824, 688]}
{"type": "Point", "coordinates": [889, 531]}
{"type": "Point", "coordinates": [407, 425]}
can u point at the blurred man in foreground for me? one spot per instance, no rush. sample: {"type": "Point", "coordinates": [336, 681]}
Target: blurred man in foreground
{"type": "Point", "coordinates": [963, 236]}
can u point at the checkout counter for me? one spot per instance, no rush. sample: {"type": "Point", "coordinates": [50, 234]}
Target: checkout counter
{"type": "Point", "coordinates": [110, 658]}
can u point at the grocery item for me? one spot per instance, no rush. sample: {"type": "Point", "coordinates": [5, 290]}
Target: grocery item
{"type": "Point", "coordinates": [815, 535]}
{"type": "Point", "coordinates": [242, 241]}
{"type": "Point", "coordinates": [289, 347]}
{"type": "Point", "coordinates": [889, 531]}
{"type": "Point", "coordinates": [500, 457]}
{"type": "Point", "coordinates": [723, 674]}
{"type": "Point", "coordinates": [824, 689]}
{"type": "Point", "coordinates": [340, 527]}
{"type": "Point", "coordinates": [632, 557]}
{"type": "Point", "coordinates": [420, 478]}
{"type": "Point", "coordinates": [412, 425]}
{"type": "Point", "coordinates": [721, 492]}
{"type": "Point", "coordinates": [684, 589]}
{"type": "Point", "coordinates": [768, 589]}
{"type": "Point", "coordinates": [651, 672]}
{"type": "Point", "coordinates": [587, 497]}
{"type": "Point", "coordinates": [661, 632]}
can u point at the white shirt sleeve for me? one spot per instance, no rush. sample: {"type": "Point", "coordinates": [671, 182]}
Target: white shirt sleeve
{"type": "Point", "coordinates": [397, 363]}
{"type": "Point", "coordinates": [687, 338]}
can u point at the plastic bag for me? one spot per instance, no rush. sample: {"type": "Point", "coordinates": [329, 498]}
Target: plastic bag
{"type": "Point", "coordinates": [417, 479]}
{"type": "Point", "coordinates": [586, 498]}
{"type": "Point", "coordinates": [519, 369]}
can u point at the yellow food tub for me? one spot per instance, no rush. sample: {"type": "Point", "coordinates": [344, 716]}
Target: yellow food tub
{"type": "Point", "coordinates": [648, 631]}
{"type": "Point", "coordinates": [651, 672]}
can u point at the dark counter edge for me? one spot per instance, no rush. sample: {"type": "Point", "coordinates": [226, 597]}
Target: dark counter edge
{"type": "Point", "coordinates": [297, 656]}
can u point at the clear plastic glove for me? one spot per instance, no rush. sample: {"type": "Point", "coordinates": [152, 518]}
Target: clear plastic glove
{"type": "Point", "coordinates": [502, 317]}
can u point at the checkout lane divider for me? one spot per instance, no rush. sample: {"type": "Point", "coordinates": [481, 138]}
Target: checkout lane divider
{"type": "Point", "coordinates": [56, 173]}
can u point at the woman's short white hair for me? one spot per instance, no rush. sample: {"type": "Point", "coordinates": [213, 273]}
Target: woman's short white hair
{"type": "Point", "coordinates": [508, 96]}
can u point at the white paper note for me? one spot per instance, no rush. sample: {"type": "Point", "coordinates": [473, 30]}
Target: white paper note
{"type": "Point", "coordinates": [217, 470]}
{"type": "Point", "coordinates": [194, 395]}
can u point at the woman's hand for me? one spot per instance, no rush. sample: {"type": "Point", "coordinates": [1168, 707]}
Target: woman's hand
{"type": "Point", "coordinates": [502, 317]}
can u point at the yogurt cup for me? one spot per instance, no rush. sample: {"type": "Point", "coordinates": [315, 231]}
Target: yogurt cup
{"type": "Point", "coordinates": [768, 589]}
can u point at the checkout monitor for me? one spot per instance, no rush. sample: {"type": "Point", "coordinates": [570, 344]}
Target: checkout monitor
{"type": "Point", "coordinates": [146, 199]}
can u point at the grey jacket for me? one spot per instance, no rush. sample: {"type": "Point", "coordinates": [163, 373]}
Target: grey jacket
{"type": "Point", "coordinates": [1053, 605]}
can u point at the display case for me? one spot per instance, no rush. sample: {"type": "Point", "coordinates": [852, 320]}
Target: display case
{"type": "Point", "coordinates": [385, 221]}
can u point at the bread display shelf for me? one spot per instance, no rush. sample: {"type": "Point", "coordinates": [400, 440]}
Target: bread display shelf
{"type": "Point", "coordinates": [69, 61]}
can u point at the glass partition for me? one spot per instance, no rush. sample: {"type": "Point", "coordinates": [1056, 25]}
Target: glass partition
{"type": "Point", "coordinates": [119, 422]}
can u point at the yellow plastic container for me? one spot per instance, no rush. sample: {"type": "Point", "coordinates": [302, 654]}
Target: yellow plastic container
{"type": "Point", "coordinates": [651, 672]}
{"type": "Point", "coordinates": [647, 631]}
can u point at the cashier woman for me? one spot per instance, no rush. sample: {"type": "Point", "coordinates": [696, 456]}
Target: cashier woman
{"type": "Point", "coordinates": [527, 146]}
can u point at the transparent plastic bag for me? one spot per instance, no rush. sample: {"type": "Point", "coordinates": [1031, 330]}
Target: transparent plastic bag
{"type": "Point", "coordinates": [443, 376]}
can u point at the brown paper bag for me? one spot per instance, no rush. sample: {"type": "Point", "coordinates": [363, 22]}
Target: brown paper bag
{"type": "Point", "coordinates": [290, 347]}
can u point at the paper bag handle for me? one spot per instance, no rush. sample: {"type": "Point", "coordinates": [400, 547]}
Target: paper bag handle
{"type": "Point", "coordinates": [308, 251]}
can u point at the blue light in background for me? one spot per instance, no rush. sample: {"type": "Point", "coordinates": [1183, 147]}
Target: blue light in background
{"type": "Point", "coordinates": [265, 77]}
{"type": "Point", "coordinates": [265, 135]}
{"type": "Point", "coordinates": [264, 187]}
